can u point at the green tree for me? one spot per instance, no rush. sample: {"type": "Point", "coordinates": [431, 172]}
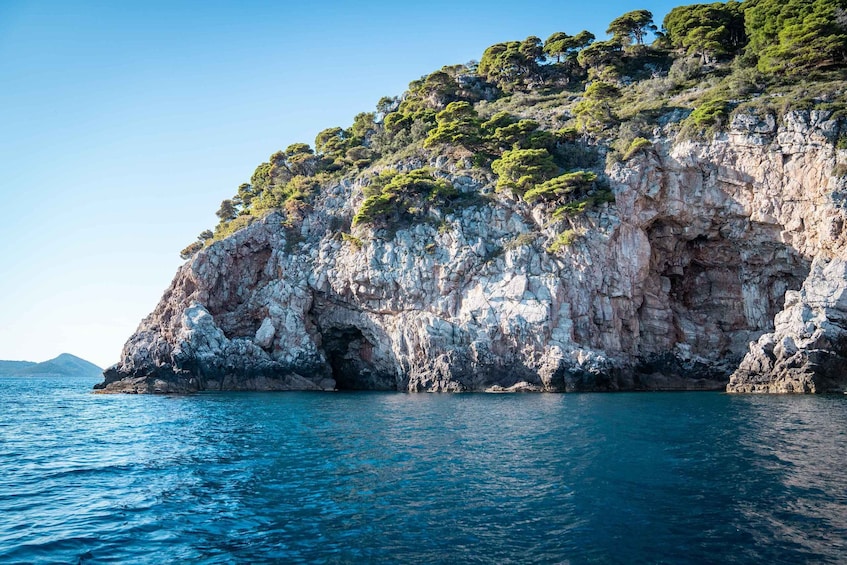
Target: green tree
{"type": "Point", "coordinates": [562, 187]}
{"type": "Point", "coordinates": [364, 125]}
{"type": "Point", "coordinates": [298, 149]}
{"type": "Point", "coordinates": [282, 166]}
{"type": "Point", "coordinates": [245, 194]}
{"type": "Point", "coordinates": [498, 120]}
{"type": "Point", "coordinates": [793, 36]}
{"type": "Point", "coordinates": [326, 139]}
{"type": "Point", "coordinates": [631, 26]}
{"type": "Point", "coordinates": [502, 64]}
{"type": "Point", "coordinates": [581, 40]}
{"type": "Point", "coordinates": [227, 211]}
{"type": "Point", "coordinates": [519, 170]}
{"type": "Point", "coordinates": [191, 249]}
{"type": "Point", "coordinates": [291, 195]}
{"type": "Point", "coordinates": [596, 109]}
{"type": "Point", "coordinates": [333, 142]}
{"type": "Point", "coordinates": [523, 134]}
{"type": "Point", "coordinates": [438, 89]}
{"type": "Point", "coordinates": [457, 124]}
{"type": "Point", "coordinates": [513, 64]}
{"type": "Point", "coordinates": [600, 57]}
{"type": "Point", "coordinates": [532, 48]}
{"type": "Point", "coordinates": [555, 45]}
{"type": "Point", "coordinates": [396, 196]}
{"type": "Point", "coordinates": [397, 121]}
{"type": "Point", "coordinates": [300, 159]}
{"type": "Point", "coordinates": [261, 179]}
{"type": "Point", "coordinates": [707, 30]}
{"type": "Point", "coordinates": [565, 47]}
{"type": "Point", "coordinates": [359, 156]}
{"type": "Point", "coordinates": [386, 105]}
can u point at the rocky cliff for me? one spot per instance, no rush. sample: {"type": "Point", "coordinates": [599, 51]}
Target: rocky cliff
{"type": "Point", "coordinates": [717, 258]}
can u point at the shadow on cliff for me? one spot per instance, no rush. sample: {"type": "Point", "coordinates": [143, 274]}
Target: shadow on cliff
{"type": "Point", "coordinates": [717, 278]}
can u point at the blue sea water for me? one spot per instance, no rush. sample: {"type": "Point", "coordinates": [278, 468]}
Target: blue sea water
{"type": "Point", "coordinates": [399, 478]}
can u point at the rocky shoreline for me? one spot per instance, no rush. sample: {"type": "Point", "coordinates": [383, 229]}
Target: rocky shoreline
{"type": "Point", "coordinates": [720, 265]}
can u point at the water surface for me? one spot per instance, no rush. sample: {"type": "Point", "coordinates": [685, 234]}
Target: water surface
{"type": "Point", "coordinates": [386, 477]}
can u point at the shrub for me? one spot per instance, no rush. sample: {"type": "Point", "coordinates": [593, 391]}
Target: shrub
{"type": "Point", "coordinates": [564, 239]}
{"type": "Point", "coordinates": [709, 117]}
{"type": "Point", "coordinates": [561, 186]}
{"type": "Point", "coordinates": [521, 135]}
{"type": "Point", "coordinates": [604, 196]}
{"type": "Point", "coordinates": [711, 112]}
{"type": "Point", "coordinates": [458, 124]}
{"type": "Point", "coordinates": [571, 209]}
{"type": "Point", "coordinates": [359, 156]}
{"type": "Point", "coordinates": [521, 169]}
{"type": "Point", "coordinates": [191, 249]}
{"type": "Point", "coordinates": [576, 155]}
{"type": "Point", "coordinates": [685, 69]}
{"type": "Point", "coordinates": [355, 242]}
{"type": "Point", "coordinates": [577, 207]}
{"type": "Point", "coordinates": [300, 188]}
{"type": "Point", "coordinates": [402, 196]}
{"type": "Point", "coordinates": [512, 65]}
{"type": "Point", "coordinates": [636, 145]}
{"type": "Point", "coordinates": [225, 229]}
{"type": "Point", "coordinates": [596, 111]}
{"type": "Point", "coordinates": [522, 240]}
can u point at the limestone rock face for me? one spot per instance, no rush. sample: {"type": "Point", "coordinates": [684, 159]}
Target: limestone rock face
{"type": "Point", "coordinates": [807, 351]}
{"type": "Point", "coordinates": [664, 289]}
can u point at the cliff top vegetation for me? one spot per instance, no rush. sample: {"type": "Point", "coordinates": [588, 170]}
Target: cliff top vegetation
{"type": "Point", "coordinates": [532, 113]}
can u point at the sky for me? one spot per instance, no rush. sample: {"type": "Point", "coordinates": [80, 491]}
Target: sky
{"type": "Point", "coordinates": [124, 124]}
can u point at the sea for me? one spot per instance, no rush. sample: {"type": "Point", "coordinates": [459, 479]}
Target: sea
{"type": "Point", "coordinates": [367, 477]}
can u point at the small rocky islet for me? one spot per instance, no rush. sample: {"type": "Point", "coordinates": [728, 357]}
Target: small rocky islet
{"type": "Point", "coordinates": [604, 216]}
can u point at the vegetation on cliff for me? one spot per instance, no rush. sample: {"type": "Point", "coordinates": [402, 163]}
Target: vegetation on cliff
{"type": "Point", "coordinates": [537, 116]}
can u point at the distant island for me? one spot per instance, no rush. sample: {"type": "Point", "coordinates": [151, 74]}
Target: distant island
{"type": "Point", "coordinates": [65, 365]}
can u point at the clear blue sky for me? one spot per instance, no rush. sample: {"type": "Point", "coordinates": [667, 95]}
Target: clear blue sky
{"type": "Point", "coordinates": [124, 124]}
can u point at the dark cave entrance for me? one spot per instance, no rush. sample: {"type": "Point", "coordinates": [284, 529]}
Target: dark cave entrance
{"type": "Point", "coordinates": [716, 291]}
{"type": "Point", "coordinates": [351, 357]}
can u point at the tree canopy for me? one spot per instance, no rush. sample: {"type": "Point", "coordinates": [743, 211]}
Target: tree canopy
{"type": "Point", "coordinates": [563, 46]}
{"type": "Point", "coordinates": [395, 196]}
{"type": "Point", "coordinates": [512, 65]}
{"type": "Point", "coordinates": [792, 36]}
{"type": "Point", "coordinates": [457, 124]}
{"type": "Point", "coordinates": [599, 57]}
{"type": "Point", "coordinates": [505, 110]}
{"type": "Point", "coordinates": [707, 30]}
{"type": "Point", "coordinates": [632, 26]}
{"type": "Point", "coordinates": [521, 169]}
{"type": "Point", "coordinates": [595, 111]}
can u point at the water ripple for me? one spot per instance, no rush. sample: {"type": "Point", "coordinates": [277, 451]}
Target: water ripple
{"type": "Point", "coordinates": [341, 478]}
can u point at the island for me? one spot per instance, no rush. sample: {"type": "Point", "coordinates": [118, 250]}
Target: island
{"type": "Point", "coordinates": [64, 365]}
{"type": "Point", "coordinates": [568, 214]}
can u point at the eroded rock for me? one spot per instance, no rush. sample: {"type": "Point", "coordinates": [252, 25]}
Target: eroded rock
{"type": "Point", "coordinates": [664, 289]}
{"type": "Point", "coordinates": [807, 351]}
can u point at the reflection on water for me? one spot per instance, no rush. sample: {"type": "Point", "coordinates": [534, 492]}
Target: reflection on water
{"type": "Point", "coordinates": [355, 477]}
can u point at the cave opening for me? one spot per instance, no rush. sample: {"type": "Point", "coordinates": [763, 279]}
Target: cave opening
{"type": "Point", "coordinates": [351, 358]}
{"type": "Point", "coordinates": [715, 292]}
